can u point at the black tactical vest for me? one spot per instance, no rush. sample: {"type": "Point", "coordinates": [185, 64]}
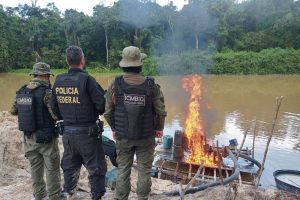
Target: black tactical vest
{"type": "Point", "coordinates": [32, 112]}
{"type": "Point", "coordinates": [134, 113]}
{"type": "Point", "coordinates": [75, 105]}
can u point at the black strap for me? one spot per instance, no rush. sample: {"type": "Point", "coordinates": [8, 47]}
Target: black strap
{"type": "Point", "coordinates": [118, 85]}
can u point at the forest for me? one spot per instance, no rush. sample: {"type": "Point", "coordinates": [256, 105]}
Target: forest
{"type": "Point", "coordinates": [205, 36]}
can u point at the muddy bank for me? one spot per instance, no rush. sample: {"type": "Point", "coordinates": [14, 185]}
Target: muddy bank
{"type": "Point", "coordinates": [15, 180]}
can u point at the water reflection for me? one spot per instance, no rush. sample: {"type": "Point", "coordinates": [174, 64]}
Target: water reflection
{"type": "Point", "coordinates": [234, 101]}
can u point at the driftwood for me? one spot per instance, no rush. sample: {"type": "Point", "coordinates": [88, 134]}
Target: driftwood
{"type": "Point", "coordinates": [183, 191]}
{"type": "Point", "coordinates": [160, 168]}
{"type": "Point", "coordinates": [219, 164]}
{"type": "Point", "coordinates": [242, 144]}
{"type": "Point", "coordinates": [4, 155]}
{"type": "Point", "coordinates": [254, 135]}
{"type": "Point", "coordinates": [278, 104]}
{"type": "Point", "coordinates": [231, 192]}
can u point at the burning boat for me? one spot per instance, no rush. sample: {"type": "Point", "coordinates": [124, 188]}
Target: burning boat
{"type": "Point", "coordinates": [192, 156]}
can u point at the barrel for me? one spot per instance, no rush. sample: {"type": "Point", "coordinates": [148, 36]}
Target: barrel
{"type": "Point", "coordinates": [177, 152]}
{"type": "Point", "coordinates": [178, 138]}
{"type": "Point", "coordinates": [167, 142]}
{"type": "Point", "coordinates": [178, 142]}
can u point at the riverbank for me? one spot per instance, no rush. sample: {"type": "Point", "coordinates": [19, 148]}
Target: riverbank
{"type": "Point", "coordinates": [15, 180]}
{"type": "Point", "coordinates": [264, 62]}
{"type": "Point", "coordinates": [60, 71]}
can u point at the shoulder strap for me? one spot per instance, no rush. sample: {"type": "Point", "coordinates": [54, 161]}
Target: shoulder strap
{"type": "Point", "coordinates": [21, 89]}
{"type": "Point", "coordinates": [150, 83]}
{"type": "Point", "coordinates": [118, 85]}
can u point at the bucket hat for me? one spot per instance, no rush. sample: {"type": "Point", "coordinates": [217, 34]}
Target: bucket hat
{"type": "Point", "coordinates": [41, 68]}
{"type": "Point", "coordinates": [132, 57]}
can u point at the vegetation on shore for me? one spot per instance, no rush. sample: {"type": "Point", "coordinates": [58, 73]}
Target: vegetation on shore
{"type": "Point", "coordinates": [217, 36]}
{"type": "Point", "coordinates": [267, 61]}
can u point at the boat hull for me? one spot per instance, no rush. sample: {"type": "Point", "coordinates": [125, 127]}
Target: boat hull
{"type": "Point", "coordinates": [285, 181]}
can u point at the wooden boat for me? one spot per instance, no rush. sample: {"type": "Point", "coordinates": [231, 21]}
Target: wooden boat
{"type": "Point", "coordinates": [177, 170]}
{"type": "Point", "coordinates": [288, 180]}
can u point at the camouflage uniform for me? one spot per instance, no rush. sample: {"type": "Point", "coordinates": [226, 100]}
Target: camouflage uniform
{"type": "Point", "coordinates": [42, 156]}
{"type": "Point", "coordinates": [143, 148]}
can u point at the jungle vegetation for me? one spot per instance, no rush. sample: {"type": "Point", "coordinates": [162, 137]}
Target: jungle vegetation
{"type": "Point", "coordinates": [215, 36]}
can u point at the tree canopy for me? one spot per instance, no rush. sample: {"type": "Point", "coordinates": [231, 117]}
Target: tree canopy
{"type": "Point", "coordinates": [29, 33]}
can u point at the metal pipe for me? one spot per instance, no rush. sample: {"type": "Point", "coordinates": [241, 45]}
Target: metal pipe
{"type": "Point", "coordinates": [216, 183]}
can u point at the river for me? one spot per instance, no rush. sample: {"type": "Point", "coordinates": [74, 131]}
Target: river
{"type": "Point", "coordinates": [234, 102]}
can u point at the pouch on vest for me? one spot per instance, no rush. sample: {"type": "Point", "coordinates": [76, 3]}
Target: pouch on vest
{"type": "Point", "coordinates": [44, 136]}
{"type": "Point", "coordinates": [26, 111]}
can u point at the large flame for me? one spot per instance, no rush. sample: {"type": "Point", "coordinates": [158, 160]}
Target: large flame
{"type": "Point", "coordinates": [194, 129]}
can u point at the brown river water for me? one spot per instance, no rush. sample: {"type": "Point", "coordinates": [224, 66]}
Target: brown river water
{"type": "Point", "coordinates": [234, 101]}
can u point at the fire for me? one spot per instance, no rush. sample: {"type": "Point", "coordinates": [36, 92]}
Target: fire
{"type": "Point", "coordinates": [194, 129]}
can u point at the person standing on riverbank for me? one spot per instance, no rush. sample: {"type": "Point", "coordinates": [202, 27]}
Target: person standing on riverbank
{"type": "Point", "coordinates": [37, 121]}
{"type": "Point", "coordinates": [136, 113]}
{"type": "Point", "coordinates": [79, 100]}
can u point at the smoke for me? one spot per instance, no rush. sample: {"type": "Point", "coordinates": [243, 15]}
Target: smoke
{"type": "Point", "coordinates": [190, 43]}
{"type": "Point", "coordinates": [138, 14]}
{"type": "Point", "coordinates": [185, 41]}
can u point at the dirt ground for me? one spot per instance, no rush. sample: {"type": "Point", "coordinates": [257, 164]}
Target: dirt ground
{"type": "Point", "coordinates": [15, 182]}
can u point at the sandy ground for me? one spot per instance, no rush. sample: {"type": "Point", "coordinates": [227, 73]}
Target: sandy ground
{"type": "Point", "coordinates": [15, 183]}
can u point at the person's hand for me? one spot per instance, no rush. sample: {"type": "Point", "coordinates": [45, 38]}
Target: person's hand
{"type": "Point", "coordinates": [114, 135]}
{"type": "Point", "coordinates": [159, 134]}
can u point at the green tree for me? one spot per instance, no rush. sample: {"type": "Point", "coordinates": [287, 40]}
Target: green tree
{"type": "Point", "coordinates": [107, 18]}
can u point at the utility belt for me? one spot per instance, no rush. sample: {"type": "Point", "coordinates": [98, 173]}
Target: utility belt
{"type": "Point", "coordinates": [94, 130]}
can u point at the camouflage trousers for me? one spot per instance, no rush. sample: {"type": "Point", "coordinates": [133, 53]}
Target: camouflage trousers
{"type": "Point", "coordinates": [43, 157]}
{"type": "Point", "coordinates": [144, 150]}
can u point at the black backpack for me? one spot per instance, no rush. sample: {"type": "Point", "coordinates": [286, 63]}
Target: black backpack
{"type": "Point", "coordinates": [109, 147]}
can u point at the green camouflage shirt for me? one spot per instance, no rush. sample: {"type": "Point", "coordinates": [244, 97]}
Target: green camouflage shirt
{"type": "Point", "coordinates": [158, 100]}
{"type": "Point", "coordinates": [34, 83]}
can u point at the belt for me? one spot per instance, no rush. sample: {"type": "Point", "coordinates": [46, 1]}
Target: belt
{"type": "Point", "coordinates": [75, 130]}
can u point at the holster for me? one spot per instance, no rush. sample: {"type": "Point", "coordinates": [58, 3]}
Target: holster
{"type": "Point", "coordinates": [59, 129]}
{"type": "Point", "coordinates": [96, 130]}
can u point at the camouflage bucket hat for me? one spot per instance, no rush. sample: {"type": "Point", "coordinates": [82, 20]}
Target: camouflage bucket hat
{"type": "Point", "coordinates": [132, 57]}
{"type": "Point", "coordinates": [41, 68]}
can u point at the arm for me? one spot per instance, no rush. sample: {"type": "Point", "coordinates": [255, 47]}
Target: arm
{"type": "Point", "coordinates": [14, 108]}
{"type": "Point", "coordinates": [48, 97]}
{"type": "Point", "coordinates": [109, 105]}
{"type": "Point", "coordinates": [159, 107]}
{"type": "Point", "coordinates": [54, 106]}
{"type": "Point", "coordinates": [96, 94]}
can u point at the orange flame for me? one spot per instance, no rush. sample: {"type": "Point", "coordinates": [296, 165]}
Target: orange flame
{"type": "Point", "coordinates": [194, 129]}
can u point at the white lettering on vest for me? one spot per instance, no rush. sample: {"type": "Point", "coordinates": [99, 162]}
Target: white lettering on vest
{"type": "Point", "coordinates": [134, 99]}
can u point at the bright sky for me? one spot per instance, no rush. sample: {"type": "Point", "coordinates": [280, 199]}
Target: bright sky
{"type": "Point", "coordinates": [85, 6]}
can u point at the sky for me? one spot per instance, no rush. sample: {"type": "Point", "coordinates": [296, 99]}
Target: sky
{"type": "Point", "coordinates": [85, 6]}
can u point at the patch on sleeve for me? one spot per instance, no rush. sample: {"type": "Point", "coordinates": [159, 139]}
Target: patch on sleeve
{"type": "Point", "coordinates": [134, 99]}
